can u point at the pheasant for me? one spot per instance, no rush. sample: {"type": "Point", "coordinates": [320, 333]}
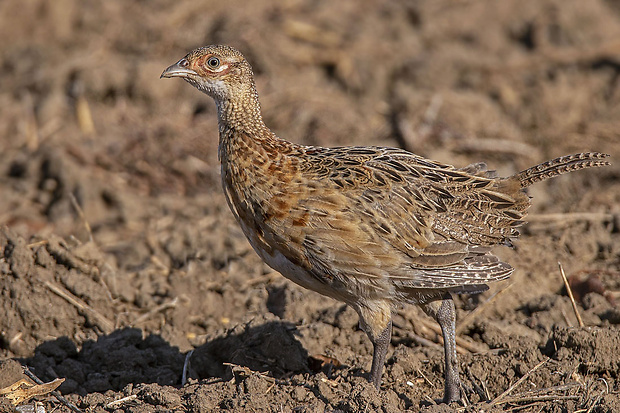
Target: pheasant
{"type": "Point", "coordinates": [374, 227]}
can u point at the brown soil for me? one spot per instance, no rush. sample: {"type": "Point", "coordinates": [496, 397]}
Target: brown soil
{"type": "Point", "coordinates": [119, 255]}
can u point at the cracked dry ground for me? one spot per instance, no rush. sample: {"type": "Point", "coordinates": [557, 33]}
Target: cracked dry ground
{"type": "Point", "coordinates": [118, 254]}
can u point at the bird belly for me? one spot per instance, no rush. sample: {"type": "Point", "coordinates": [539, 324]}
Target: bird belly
{"type": "Point", "coordinates": [284, 257]}
{"type": "Point", "coordinates": [294, 272]}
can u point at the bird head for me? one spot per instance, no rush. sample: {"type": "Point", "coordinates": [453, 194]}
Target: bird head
{"type": "Point", "coordinates": [219, 71]}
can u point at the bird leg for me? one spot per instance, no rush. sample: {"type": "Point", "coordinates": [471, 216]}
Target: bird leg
{"type": "Point", "coordinates": [444, 312]}
{"type": "Point", "coordinates": [380, 345]}
{"type": "Point", "coordinates": [376, 321]}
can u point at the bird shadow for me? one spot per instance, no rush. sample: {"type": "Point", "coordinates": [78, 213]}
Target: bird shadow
{"type": "Point", "coordinates": [128, 356]}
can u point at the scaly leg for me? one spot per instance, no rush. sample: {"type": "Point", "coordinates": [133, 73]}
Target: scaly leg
{"type": "Point", "coordinates": [376, 321]}
{"type": "Point", "coordinates": [380, 345]}
{"type": "Point", "coordinates": [444, 312]}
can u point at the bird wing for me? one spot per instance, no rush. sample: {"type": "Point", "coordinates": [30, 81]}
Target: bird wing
{"type": "Point", "coordinates": [386, 214]}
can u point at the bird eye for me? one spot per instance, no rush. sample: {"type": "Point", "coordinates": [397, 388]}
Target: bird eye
{"type": "Point", "coordinates": [213, 62]}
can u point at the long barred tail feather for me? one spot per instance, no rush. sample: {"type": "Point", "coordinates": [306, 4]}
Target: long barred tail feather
{"type": "Point", "coordinates": [561, 165]}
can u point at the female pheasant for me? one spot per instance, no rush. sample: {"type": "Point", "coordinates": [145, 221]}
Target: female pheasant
{"type": "Point", "coordinates": [373, 227]}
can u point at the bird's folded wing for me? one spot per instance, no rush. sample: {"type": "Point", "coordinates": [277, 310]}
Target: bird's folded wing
{"type": "Point", "coordinates": [387, 214]}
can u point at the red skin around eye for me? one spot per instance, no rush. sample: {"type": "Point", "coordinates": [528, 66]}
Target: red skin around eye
{"type": "Point", "coordinates": [201, 66]}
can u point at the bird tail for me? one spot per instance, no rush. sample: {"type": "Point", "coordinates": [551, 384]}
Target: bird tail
{"type": "Point", "coordinates": [561, 165]}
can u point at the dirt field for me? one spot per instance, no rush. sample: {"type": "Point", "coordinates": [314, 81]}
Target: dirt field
{"type": "Point", "coordinates": [118, 254]}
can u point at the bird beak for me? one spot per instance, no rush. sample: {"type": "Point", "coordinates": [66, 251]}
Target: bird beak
{"type": "Point", "coordinates": [176, 70]}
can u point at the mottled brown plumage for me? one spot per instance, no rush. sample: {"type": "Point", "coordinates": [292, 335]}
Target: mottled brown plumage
{"type": "Point", "coordinates": [373, 227]}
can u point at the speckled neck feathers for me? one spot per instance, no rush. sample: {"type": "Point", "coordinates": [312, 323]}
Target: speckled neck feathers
{"type": "Point", "coordinates": [241, 111]}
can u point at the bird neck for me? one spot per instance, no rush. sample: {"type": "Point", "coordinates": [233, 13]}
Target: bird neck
{"type": "Point", "coordinates": [242, 130]}
{"type": "Point", "coordinates": [241, 113]}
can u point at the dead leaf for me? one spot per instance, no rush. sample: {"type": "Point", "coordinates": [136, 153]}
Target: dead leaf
{"type": "Point", "coordinates": [23, 390]}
